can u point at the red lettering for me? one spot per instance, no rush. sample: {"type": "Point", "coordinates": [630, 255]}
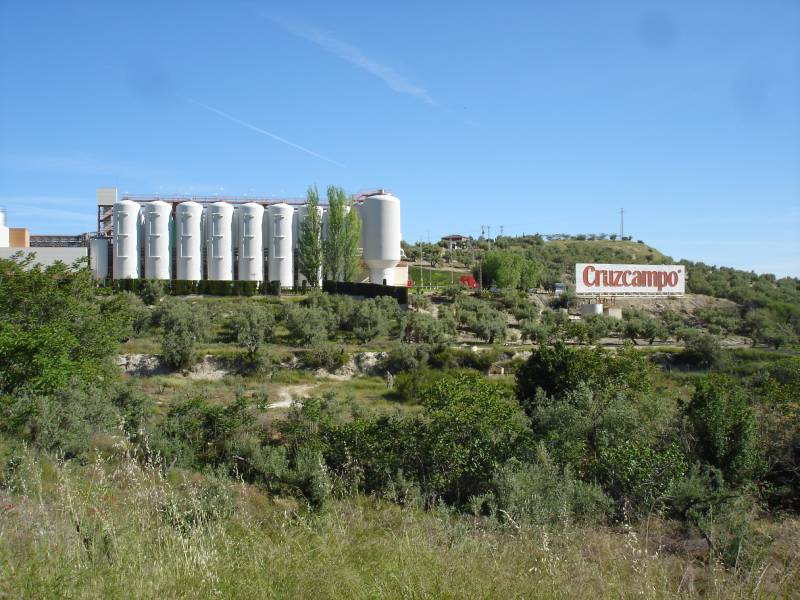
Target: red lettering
{"type": "Point", "coordinates": [586, 281]}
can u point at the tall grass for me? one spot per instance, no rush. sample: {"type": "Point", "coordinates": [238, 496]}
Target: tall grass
{"type": "Point", "coordinates": [117, 528]}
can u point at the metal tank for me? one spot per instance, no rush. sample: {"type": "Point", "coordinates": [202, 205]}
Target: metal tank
{"type": "Point", "coordinates": [189, 245]}
{"type": "Point", "coordinates": [280, 248]}
{"type": "Point", "coordinates": [381, 226]}
{"type": "Point", "coordinates": [98, 257]}
{"type": "Point", "coordinates": [157, 252]}
{"type": "Point", "coordinates": [266, 239]}
{"type": "Point", "coordinates": [251, 250]}
{"type": "Point", "coordinates": [5, 233]}
{"type": "Point", "coordinates": [219, 241]}
{"type": "Point", "coordinates": [126, 216]}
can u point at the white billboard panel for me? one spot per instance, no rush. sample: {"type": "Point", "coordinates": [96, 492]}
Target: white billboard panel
{"type": "Point", "coordinates": [593, 279]}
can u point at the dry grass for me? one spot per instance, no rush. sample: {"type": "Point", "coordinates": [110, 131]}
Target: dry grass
{"type": "Point", "coordinates": [120, 529]}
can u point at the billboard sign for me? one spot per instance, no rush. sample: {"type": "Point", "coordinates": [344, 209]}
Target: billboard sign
{"type": "Point", "coordinates": [629, 280]}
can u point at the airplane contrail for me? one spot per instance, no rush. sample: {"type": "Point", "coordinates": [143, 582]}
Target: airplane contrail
{"type": "Point", "coordinates": [263, 131]}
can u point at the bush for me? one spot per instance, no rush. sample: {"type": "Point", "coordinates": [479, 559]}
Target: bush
{"type": "Point", "coordinates": [325, 356]}
{"type": "Point", "coordinates": [423, 328]}
{"type": "Point", "coordinates": [308, 325]}
{"type": "Point", "coordinates": [54, 330]}
{"type": "Point", "coordinates": [140, 316]}
{"type": "Point", "coordinates": [701, 350]}
{"type": "Point", "coordinates": [151, 291]}
{"type": "Point", "coordinates": [251, 326]}
{"type": "Point", "coordinates": [724, 428]}
{"type": "Point", "coordinates": [183, 325]}
{"type": "Point", "coordinates": [368, 321]}
{"type": "Point", "coordinates": [405, 357]}
{"type": "Point", "coordinates": [542, 493]}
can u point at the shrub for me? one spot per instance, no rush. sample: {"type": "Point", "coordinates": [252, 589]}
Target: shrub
{"type": "Point", "coordinates": [701, 350]}
{"type": "Point", "coordinates": [151, 291]}
{"type": "Point", "coordinates": [308, 325]}
{"type": "Point", "coordinates": [422, 327]}
{"type": "Point", "coordinates": [724, 427]}
{"type": "Point", "coordinates": [544, 494]}
{"type": "Point", "coordinates": [405, 357]}
{"type": "Point", "coordinates": [54, 330]}
{"type": "Point", "coordinates": [326, 356]}
{"type": "Point", "coordinates": [183, 325]}
{"type": "Point", "coordinates": [251, 326]}
{"type": "Point", "coordinates": [368, 321]}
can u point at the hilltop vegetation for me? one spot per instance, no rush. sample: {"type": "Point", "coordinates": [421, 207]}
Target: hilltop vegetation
{"type": "Point", "coordinates": [768, 308]}
{"type": "Point", "coordinates": [580, 470]}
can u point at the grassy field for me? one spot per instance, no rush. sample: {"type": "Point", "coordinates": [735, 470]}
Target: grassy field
{"type": "Point", "coordinates": [116, 528]}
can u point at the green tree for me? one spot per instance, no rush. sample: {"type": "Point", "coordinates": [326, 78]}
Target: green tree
{"type": "Point", "coordinates": [308, 325]}
{"type": "Point", "coordinates": [184, 324]}
{"type": "Point", "coordinates": [351, 264]}
{"type": "Point", "coordinates": [340, 249]}
{"type": "Point", "coordinates": [54, 329]}
{"type": "Point", "coordinates": [724, 427]}
{"type": "Point", "coordinates": [310, 244]}
{"type": "Point", "coordinates": [250, 326]}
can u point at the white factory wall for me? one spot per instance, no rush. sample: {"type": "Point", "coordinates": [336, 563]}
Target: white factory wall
{"type": "Point", "coordinates": [47, 256]}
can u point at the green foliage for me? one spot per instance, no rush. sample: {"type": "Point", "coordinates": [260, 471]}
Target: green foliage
{"type": "Point", "coordinates": [326, 356]}
{"type": "Point", "coordinates": [469, 427]}
{"type": "Point", "coordinates": [140, 315]}
{"type": "Point", "coordinates": [559, 369]}
{"type": "Point", "coordinates": [422, 327]}
{"type": "Point", "coordinates": [54, 330]}
{"type": "Point", "coordinates": [250, 326]}
{"type": "Point", "coordinates": [196, 433]}
{"type": "Point", "coordinates": [639, 325]}
{"type": "Point", "coordinates": [183, 324]}
{"type": "Point", "coordinates": [151, 291]}
{"type": "Point", "coordinates": [638, 475]}
{"type": "Point", "coordinates": [309, 251]}
{"type": "Point", "coordinates": [340, 248]}
{"type": "Point", "coordinates": [479, 317]}
{"type": "Point", "coordinates": [701, 350]}
{"type": "Point", "coordinates": [405, 357]}
{"type": "Point", "coordinates": [369, 320]}
{"type": "Point", "coordinates": [724, 428]}
{"type": "Point", "coordinates": [543, 493]}
{"type": "Point", "coordinates": [509, 270]}
{"type": "Point", "coordinates": [307, 325]}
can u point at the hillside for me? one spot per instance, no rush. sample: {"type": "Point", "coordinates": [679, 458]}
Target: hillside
{"type": "Point", "coordinates": [474, 444]}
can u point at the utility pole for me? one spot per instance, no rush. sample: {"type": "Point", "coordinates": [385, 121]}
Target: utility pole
{"type": "Point", "coordinates": [621, 223]}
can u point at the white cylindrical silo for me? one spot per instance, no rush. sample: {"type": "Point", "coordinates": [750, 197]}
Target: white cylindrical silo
{"type": "Point", "coordinates": [251, 249]}
{"type": "Point", "coordinates": [189, 243]}
{"type": "Point", "coordinates": [98, 257]}
{"type": "Point", "coordinates": [157, 255]}
{"type": "Point", "coordinates": [381, 226]}
{"type": "Point", "coordinates": [126, 221]}
{"type": "Point", "coordinates": [219, 241]}
{"type": "Point", "coordinates": [266, 239]}
{"type": "Point", "coordinates": [5, 233]}
{"type": "Point", "coordinates": [280, 249]}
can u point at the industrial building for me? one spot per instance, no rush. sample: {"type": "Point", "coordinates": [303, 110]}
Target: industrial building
{"type": "Point", "coordinates": [212, 239]}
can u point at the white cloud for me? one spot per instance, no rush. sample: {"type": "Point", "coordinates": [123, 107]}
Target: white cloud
{"type": "Point", "coordinates": [356, 57]}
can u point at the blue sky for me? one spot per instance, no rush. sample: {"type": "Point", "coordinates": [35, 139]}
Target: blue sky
{"type": "Point", "coordinates": [537, 116]}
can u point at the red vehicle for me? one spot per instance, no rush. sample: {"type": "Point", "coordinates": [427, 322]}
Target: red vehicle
{"type": "Point", "coordinates": [468, 281]}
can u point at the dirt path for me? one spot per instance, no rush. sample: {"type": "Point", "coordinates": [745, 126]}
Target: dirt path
{"type": "Point", "coordinates": [288, 394]}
